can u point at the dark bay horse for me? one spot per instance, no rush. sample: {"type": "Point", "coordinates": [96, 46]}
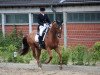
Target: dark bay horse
{"type": "Point", "coordinates": [51, 42]}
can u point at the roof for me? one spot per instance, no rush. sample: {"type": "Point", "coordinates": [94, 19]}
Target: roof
{"type": "Point", "coordinates": [5, 3]}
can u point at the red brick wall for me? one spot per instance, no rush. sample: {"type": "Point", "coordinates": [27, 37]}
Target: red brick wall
{"type": "Point", "coordinates": [86, 34]}
{"type": "Point", "coordinates": [23, 28]}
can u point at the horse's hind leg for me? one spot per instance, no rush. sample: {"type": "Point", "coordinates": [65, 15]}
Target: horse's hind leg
{"type": "Point", "coordinates": [36, 54]}
{"type": "Point", "coordinates": [33, 51]}
{"type": "Point", "coordinates": [38, 57]}
{"type": "Point", "coordinates": [60, 56]}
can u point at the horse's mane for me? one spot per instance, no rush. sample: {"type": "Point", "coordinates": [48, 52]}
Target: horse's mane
{"type": "Point", "coordinates": [53, 31]}
{"type": "Point", "coordinates": [53, 28]}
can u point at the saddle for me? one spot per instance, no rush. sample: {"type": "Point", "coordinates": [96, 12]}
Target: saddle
{"type": "Point", "coordinates": [43, 37]}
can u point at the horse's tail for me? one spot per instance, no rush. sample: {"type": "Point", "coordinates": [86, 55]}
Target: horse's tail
{"type": "Point", "coordinates": [25, 46]}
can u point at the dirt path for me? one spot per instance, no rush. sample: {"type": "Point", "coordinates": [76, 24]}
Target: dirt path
{"type": "Point", "coordinates": [32, 69]}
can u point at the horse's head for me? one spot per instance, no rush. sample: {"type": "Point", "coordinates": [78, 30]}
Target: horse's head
{"type": "Point", "coordinates": [57, 27]}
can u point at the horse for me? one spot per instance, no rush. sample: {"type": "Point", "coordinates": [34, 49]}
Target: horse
{"type": "Point", "coordinates": [51, 42]}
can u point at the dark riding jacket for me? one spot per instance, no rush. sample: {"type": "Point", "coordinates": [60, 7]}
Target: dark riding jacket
{"type": "Point", "coordinates": [43, 19]}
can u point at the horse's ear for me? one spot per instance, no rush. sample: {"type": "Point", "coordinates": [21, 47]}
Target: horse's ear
{"type": "Point", "coordinates": [59, 23]}
{"type": "Point", "coordinates": [53, 21]}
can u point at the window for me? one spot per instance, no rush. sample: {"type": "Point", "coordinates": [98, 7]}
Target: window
{"type": "Point", "coordinates": [83, 17]}
{"type": "Point", "coordinates": [35, 16]}
{"type": "Point", "coordinates": [69, 17]}
{"type": "Point", "coordinates": [75, 17]}
{"type": "Point", "coordinates": [93, 17]}
{"type": "Point", "coordinates": [16, 18]}
{"type": "Point", "coordinates": [98, 17]}
{"type": "Point", "coordinates": [51, 17]}
{"type": "Point", "coordinates": [0, 19]}
{"type": "Point", "coordinates": [87, 17]}
{"type": "Point", "coordinates": [59, 16]}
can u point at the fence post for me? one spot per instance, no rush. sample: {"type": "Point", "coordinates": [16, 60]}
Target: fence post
{"type": "Point", "coordinates": [30, 22]}
{"type": "Point", "coordinates": [65, 29]}
{"type": "Point", "coordinates": [3, 24]}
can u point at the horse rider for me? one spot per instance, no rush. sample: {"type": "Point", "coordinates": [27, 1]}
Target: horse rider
{"type": "Point", "coordinates": [44, 23]}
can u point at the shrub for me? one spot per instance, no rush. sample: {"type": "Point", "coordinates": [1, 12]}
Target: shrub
{"type": "Point", "coordinates": [65, 55]}
{"type": "Point", "coordinates": [12, 42]}
{"type": "Point", "coordinates": [97, 46]}
{"type": "Point", "coordinates": [55, 60]}
{"type": "Point", "coordinates": [88, 56]}
{"type": "Point", "coordinates": [77, 55]}
{"type": "Point", "coordinates": [73, 56]}
{"type": "Point", "coordinates": [44, 56]}
{"type": "Point", "coordinates": [96, 52]}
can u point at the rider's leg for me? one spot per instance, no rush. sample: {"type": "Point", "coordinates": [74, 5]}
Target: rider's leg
{"type": "Point", "coordinates": [40, 35]}
{"type": "Point", "coordinates": [40, 42]}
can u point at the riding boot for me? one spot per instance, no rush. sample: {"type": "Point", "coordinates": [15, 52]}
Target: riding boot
{"type": "Point", "coordinates": [40, 42]}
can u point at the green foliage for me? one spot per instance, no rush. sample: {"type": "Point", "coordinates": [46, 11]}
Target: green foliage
{"type": "Point", "coordinates": [44, 56]}
{"type": "Point", "coordinates": [97, 49]}
{"type": "Point", "coordinates": [87, 58]}
{"type": "Point", "coordinates": [11, 43]}
{"type": "Point", "coordinates": [20, 59]}
{"type": "Point", "coordinates": [97, 46]}
{"type": "Point", "coordinates": [77, 55]}
{"type": "Point", "coordinates": [55, 60]}
{"type": "Point", "coordinates": [73, 56]}
{"type": "Point", "coordinates": [65, 55]}
{"type": "Point", "coordinates": [96, 53]}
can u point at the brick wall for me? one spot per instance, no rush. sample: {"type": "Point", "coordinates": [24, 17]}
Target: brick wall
{"type": "Point", "coordinates": [23, 28]}
{"type": "Point", "coordinates": [86, 34]}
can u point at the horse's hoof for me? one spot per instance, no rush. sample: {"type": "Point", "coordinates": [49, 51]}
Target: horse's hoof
{"type": "Point", "coordinates": [60, 67]}
{"type": "Point", "coordinates": [46, 62]}
{"type": "Point", "coordinates": [40, 65]}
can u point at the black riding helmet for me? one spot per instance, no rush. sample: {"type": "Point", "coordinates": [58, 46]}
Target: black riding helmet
{"type": "Point", "coordinates": [42, 9]}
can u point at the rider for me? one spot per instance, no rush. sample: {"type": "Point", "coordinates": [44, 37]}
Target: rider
{"type": "Point", "coordinates": [44, 23]}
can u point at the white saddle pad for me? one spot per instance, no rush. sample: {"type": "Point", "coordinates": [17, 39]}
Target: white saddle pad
{"type": "Point", "coordinates": [36, 38]}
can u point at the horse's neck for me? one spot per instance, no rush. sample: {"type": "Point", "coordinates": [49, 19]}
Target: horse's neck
{"type": "Point", "coordinates": [52, 34]}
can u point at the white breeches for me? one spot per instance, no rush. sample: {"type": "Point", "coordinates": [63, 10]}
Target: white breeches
{"type": "Point", "coordinates": [42, 28]}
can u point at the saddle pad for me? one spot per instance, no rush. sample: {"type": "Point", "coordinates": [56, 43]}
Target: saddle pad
{"type": "Point", "coordinates": [36, 38]}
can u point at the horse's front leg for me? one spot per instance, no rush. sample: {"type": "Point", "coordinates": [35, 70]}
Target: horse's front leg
{"type": "Point", "coordinates": [60, 56]}
{"type": "Point", "coordinates": [50, 55]}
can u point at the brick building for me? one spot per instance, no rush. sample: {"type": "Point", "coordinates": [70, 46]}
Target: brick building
{"type": "Point", "coordinates": [81, 18]}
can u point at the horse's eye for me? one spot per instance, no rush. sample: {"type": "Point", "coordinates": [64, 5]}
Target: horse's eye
{"type": "Point", "coordinates": [60, 28]}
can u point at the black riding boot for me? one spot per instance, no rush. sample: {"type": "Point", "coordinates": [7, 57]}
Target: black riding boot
{"type": "Point", "coordinates": [40, 42]}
